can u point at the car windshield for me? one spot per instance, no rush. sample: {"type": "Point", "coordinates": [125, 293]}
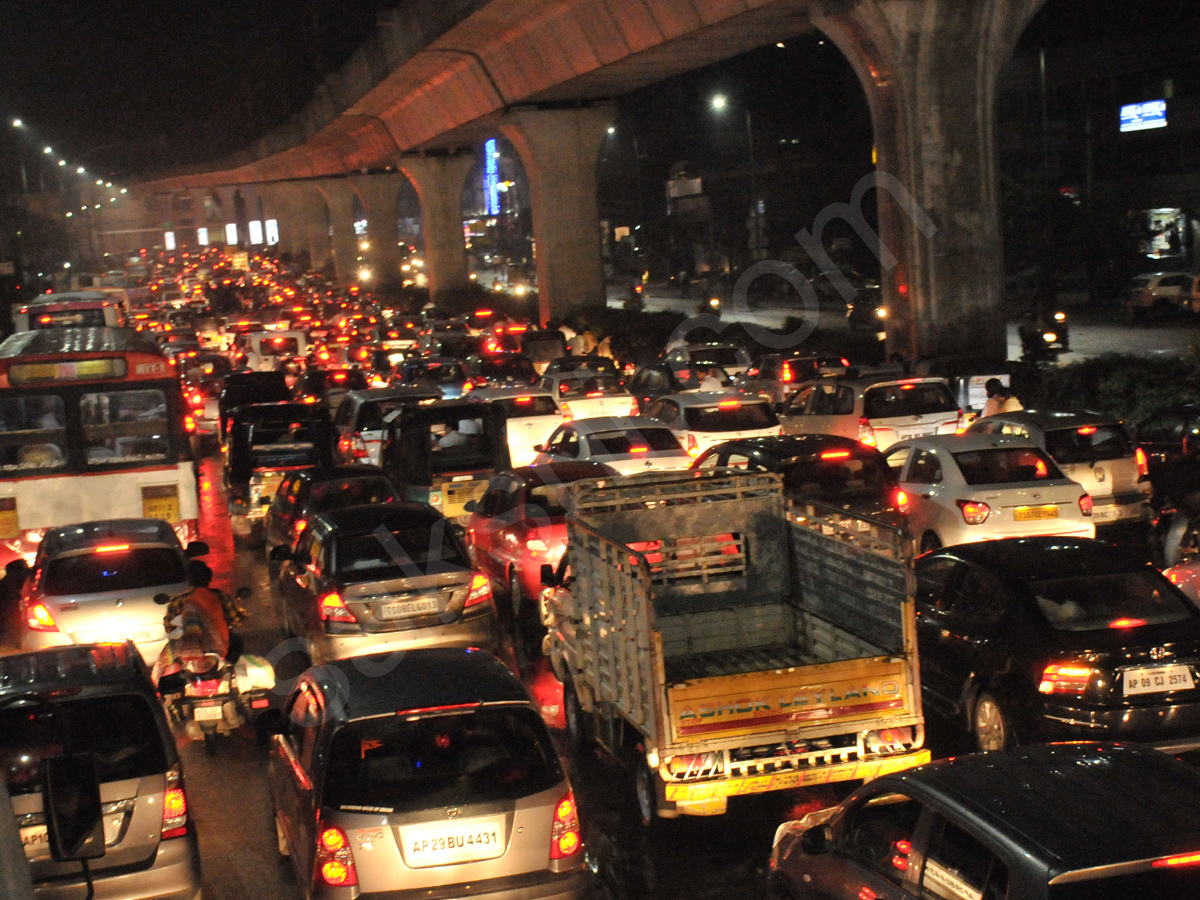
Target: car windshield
{"type": "Point", "coordinates": [350, 492]}
{"type": "Point", "coordinates": [588, 385]}
{"type": "Point", "coordinates": [725, 357]}
{"type": "Point", "coordinates": [1119, 600]}
{"type": "Point", "coordinates": [1180, 882]}
{"type": "Point", "coordinates": [922, 398]}
{"type": "Point", "coordinates": [478, 756]}
{"type": "Point", "coordinates": [633, 440]}
{"type": "Point", "coordinates": [521, 407]}
{"type": "Point", "coordinates": [730, 415]}
{"type": "Point", "coordinates": [408, 552]}
{"type": "Point", "coordinates": [119, 732]}
{"type": "Point", "coordinates": [115, 568]}
{"type": "Point", "coordinates": [836, 476]}
{"type": "Point", "coordinates": [1087, 444]}
{"type": "Point", "coordinates": [1006, 465]}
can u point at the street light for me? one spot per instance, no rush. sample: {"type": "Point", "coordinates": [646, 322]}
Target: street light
{"type": "Point", "coordinates": [17, 123]}
{"type": "Point", "coordinates": [719, 104]}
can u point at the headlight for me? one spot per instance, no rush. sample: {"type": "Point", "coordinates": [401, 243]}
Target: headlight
{"type": "Point", "coordinates": [1049, 337]}
{"type": "Point", "coordinates": [1060, 317]}
{"type": "Point", "coordinates": [881, 312]}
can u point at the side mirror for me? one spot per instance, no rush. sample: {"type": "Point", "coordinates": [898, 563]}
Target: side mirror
{"type": "Point", "coordinates": [281, 553]}
{"type": "Point", "coordinates": [162, 599]}
{"type": "Point", "coordinates": [196, 548]}
{"type": "Point", "coordinates": [470, 506]}
{"type": "Point", "coordinates": [549, 576]}
{"type": "Point", "coordinates": [817, 840]}
{"type": "Point", "coordinates": [73, 821]}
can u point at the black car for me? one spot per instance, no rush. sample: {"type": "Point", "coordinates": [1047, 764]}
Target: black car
{"type": "Point", "coordinates": [1171, 441]}
{"type": "Point", "coordinates": [1056, 638]}
{"type": "Point", "coordinates": [243, 388]}
{"type": "Point", "coordinates": [501, 370]}
{"type": "Point", "coordinates": [659, 379]}
{"type": "Point", "coordinates": [819, 467]}
{"type": "Point", "coordinates": [1086, 821]}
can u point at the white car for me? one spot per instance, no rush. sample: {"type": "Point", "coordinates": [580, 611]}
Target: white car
{"type": "Point", "coordinates": [977, 487]}
{"type": "Point", "coordinates": [530, 417]}
{"type": "Point", "coordinates": [627, 444]}
{"type": "Point", "coordinates": [362, 416]}
{"type": "Point", "coordinates": [584, 394]}
{"type": "Point", "coordinates": [702, 419]}
{"type": "Point", "coordinates": [1158, 290]}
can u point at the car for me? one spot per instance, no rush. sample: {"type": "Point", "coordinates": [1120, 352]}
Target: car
{"type": "Point", "coordinates": [701, 419]}
{"type": "Point", "coordinates": [361, 419]}
{"type": "Point", "coordinates": [449, 344]}
{"type": "Point", "coordinates": [733, 359]}
{"type": "Point", "coordinates": [1052, 638]}
{"type": "Point", "coordinates": [876, 409]}
{"type": "Point", "coordinates": [97, 702]}
{"type": "Point", "coordinates": [446, 374]}
{"type": "Point", "coordinates": [824, 468]}
{"type": "Point", "coordinates": [777, 375]}
{"type": "Point", "coordinates": [501, 370]}
{"type": "Point", "coordinates": [1095, 452]}
{"type": "Point", "coordinates": [965, 488]}
{"type": "Point", "coordinates": [95, 582]}
{"type": "Point", "coordinates": [584, 394]}
{"type": "Point", "coordinates": [627, 444]}
{"type": "Point", "coordinates": [203, 396]}
{"type": "Point", "coordinates": [1087, 821]}
{"type": "Point", "coordinates": [245, 388]}
{"type": "Point", "coordinates": [328, 386]}
{"type": "Point", "coordinates": [386, 576]}
{"type": "Point", "coordinates": [659, 379]}
{"type": "Point", "coordinates": [601, 365]}
{"type": "Point", "coordinates": [1156, 291]}
{"type": "Point", "coordinates": [530, 416]}
{"type": "Point", "coordinates": [1170, 438]}
{"type": "Point", "coordinates": [867, 310]}
{"type": "Point", "coordinates": [428, 773]}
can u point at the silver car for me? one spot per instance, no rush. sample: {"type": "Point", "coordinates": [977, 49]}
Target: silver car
{"type": "Point", "coordinates": [423, 774]}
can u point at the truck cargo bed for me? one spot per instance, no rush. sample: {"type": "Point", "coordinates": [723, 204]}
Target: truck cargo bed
{"type": "Point", "coordinates": [736, 662]}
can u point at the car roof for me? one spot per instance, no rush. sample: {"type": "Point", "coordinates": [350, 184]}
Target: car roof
{"type": "Point", "coordinates": [369, 516]}
{"type": "Point", "coordinates": [1111, 803]}
{"type": "Point", "coordinates": [786, 446]}
{"type": "Point", "coordinates": [383, 683]}
{"type": "Point", "coordinates": [503, 393]}
{"type": "Point", "coordinates": [553, 473]}
{"type": "Point", "coordinates": [1046, 557]}
{"type": "Point", "coordinates": [712, 398]}
{"type": "Point", "coordinates": [105, 531]}
{"type": "Point", "coordinates": [615, 423]}
{"type": "Point", "coordinates": [958, 443]}
{"type": "Point", "coordinates": [1052, 420]}
{"type": "Point", "coordinates": [282, 409]}
{"type": "Point", "coordinates": [396, 392]}
{"type": "Point", "coordinates": [76, 666]}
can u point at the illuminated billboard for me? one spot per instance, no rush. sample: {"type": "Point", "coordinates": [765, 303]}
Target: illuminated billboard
{"type": "Point", "coordinates": [491, 190]}
{"type": "Point", "coordinates": [1144, 116]}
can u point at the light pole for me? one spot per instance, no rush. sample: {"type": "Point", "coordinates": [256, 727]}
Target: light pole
{"type": "Point", "coordinates": [756, 239]}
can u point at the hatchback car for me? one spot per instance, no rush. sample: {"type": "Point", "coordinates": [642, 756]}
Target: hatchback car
{"type": "Point", "coordinates": [98, 702]}
{"type": "Point", "coordinates": [361, 419]}
{"type": "Point", "coordinates": [1156, 291]}
{"type": "Point", "coordinates": [1087, 821]}
{"type": "Point", "coordinates": [530, 416]}
{"type": "Point", "coordinates": [777, 375]}
{"type": "Point", "coordinates": [629, 445]}
{"type": "Point", "coordinates": [584, 394]}
{"type": "Point", "coordinates": [95, 583]}
{"type": "Point", "coordinates": [733, 359]}
{"type": "Point", "coordinates": [966, 488]}
{"type": "Point", "coordinates": [877, 410]}
{"type": "Point", "coordinates": [704, 418]}
{"type": "Point", "coordinates": [1057, 639]}
{"type": "Point", "coordinates": [363, 579]}
{"type": "Point", "coordinates": [428, 773]}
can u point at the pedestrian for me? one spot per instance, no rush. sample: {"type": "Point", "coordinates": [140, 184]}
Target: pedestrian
{"type": "Point", "coordinates": [1000, 399]}
{"type": "Point", "coordinates": [11, 586]}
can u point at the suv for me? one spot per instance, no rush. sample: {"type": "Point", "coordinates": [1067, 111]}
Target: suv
{"type": "Point", "coordinates": [1157, 290]}
{"type": "Point", "coordinates": [99, 701]}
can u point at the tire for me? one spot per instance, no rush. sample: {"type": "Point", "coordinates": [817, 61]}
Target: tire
{"type": "Point", "coordinates": [579, 723]}
{"type": "Point", "coordinates": [645, 794]}
{"type": "Point", "coordinates": [281, 843]}
{"type": "Point", "coordinates": [930, 542]}
{"type": "Point", "coordinates": [988, 724]}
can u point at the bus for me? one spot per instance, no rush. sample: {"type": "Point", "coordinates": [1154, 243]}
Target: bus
{"type": "Point", "coordinates": [92, 426]}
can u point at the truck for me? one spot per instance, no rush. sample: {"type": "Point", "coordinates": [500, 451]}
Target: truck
{"type": "Point", "coordinates": [722, 640]}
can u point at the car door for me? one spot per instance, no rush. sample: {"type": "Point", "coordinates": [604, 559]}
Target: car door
{"type": "Point", "coordinates": [793, 411]}
{"type": "Point", "coordinates": [934, 579]}
{"type": "Point", "coordinates": [959, 864]}
{"type": "Point", "coordinates": [877, 839]}
{"type": "Point", "coordinates": [293, 777]}
{"type": "Point", "coordinates": [923, 481]}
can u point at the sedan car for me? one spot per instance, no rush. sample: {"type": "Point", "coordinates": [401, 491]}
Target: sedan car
{"type": "Point", "coordinates": [704, 418]}
{"type": "Point", "coordinates": [777, 375]}
{"type": "Point", "coordinates": [1123, 827]}
{"type": "Point", "coordinates": [428, 773]}
{"type": "Point", "coordinates": [966, 488]}
{"type": "Point", "coordinates": [628, 445]}
{"type": "Point", "coordinates": [1035, 639]}
{"type": "Point", "coordinates": [393, 576]}
{"type": "Point", "coordinates": [585, 394]}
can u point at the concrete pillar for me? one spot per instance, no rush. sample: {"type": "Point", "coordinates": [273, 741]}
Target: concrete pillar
{"type": "Point", "coordinates": [438, 181]}
{"type": "Point", "coordinates": [274, 202]}
{"type": "Point", "coordinates": [559, 149]}
{"type": "Point", "coordinates": [929, 69]}
{"type": "Point", "coordinates": [379, 193]}
{"type": "Point", "coordinates": [308, 224]}
{"type": "Point", "coordinates": [340, 196]}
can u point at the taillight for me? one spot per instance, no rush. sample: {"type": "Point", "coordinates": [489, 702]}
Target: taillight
{"type": "Point", "coordinates": [634, 409]}
{"type": "Point", "coordinates": [38, 618]}
{"type": "Point", "coordinates": [564, 835]}
{"type": "Point", "coordinates": [481, 591]}
{"type": "Point", "coordinates": [298, 526]}
{"type": "Point", "coordinates": [1062, 679]}
{"type": "Point", "coordinates": [175, 808]}
{"type": "Point", "coordinates": [960, 424]}
{"type": "Point", "coordinates": [866, 434]}
{"type": "Point", "coordinates": [335, 860]}
{"type": "Point", "coordinates": [902, 501]}
{"type": "Point", "coordinates": [189, 424]}
{"type": "Point", "coordinates": [359, 448]}
{"type": "Point", "coordinates": [974, 512]}
{"type": "Point", "coordinates": [1085, 504]}
{"type": "Point", "coordinates": [693, 448]}
{"type": "Point", "coordinates": [1143, 467]}
{"type": "Point", "coordinates": [565, 409]}
{"type": "Point", "coordinates": [467, 387]}
{"type": "Point", "coordinates": [785, 375]}
{"type": "Point", "coordinates": [333, 609]}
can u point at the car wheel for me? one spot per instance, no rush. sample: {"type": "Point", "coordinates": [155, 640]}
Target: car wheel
{"type": "Point", "coordinates": [989, 725]}
{"type": "Point", "coordinates": [644, 792]}
{"type": "Point", "coordinates": [579, 723]}
{"type": "Point", "coordinates": [281, 843]}
{"type": "Point", "coordinates": [930, 542]}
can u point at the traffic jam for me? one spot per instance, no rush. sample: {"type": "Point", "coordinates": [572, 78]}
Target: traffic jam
{"type": "Point", "coordinates": [488, 553]}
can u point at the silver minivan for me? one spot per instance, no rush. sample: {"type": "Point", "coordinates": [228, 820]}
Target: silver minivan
{"type": "Point", "coordinates": [422, 774]}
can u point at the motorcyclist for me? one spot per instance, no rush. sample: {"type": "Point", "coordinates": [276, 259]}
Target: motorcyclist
{"type": "Point", "coordinates": [198, 622]}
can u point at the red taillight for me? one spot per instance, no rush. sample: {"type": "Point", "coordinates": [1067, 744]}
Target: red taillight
{"type": "Point", "coordinates": [785, 374]}
{"type": "Point", "coordinates": [902, 501]}
{"type": "Point", "coordinates": [38, 618]}
{"type": "Point", "coordinates": [298, 526]}
{"type": "Point", "coordinates": [1062, 679]}
{"type": "Point", "coordinates": [729, 404]}
{"type": "Point", "coordinates": [866, 434]}
{"type": "Point", "coordinates": [634, 410]}
{"type": "Point", "coordinates": [1126, 623]}
{"type": "Point", "coordinates": [1085, 504]}
{"type": "Point", "coordinates": [333, 609]}
{"type": "Point", "coordinates": [481, 591]}
{"type": "Point", "coordinates": [564, 834]}
{"type": "Point", "coordinates": [467, 387]}
{"type": "Point", "coordinates": [960, 424]}
{"type": "Point", "coordinates": [189, 424]}
{"type": "Point", "coordinates": [974, 512]}
{"type": "Point", "coordinates": [565, 409]}
{"type": "Point", "coordinates": [1143, 467]}
{"type": "Point", "coordinates": [1179, 859]}
{"type": "Point", "coordinates": [693, 448]}
{"type": "Point", "coordinates": [335, 860]}
{"type": "Point", "coordinates": [836, 454]}
{"type": "Point", "coordinates": [175, 808]}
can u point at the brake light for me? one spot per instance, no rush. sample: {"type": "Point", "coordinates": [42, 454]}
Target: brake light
{"type": "Point", "coordinates": [594, 394]}
{"type": "Point", "coordinates": [175, 807]}
{"type": "Point", "coordinates": [298, 526]}
{"type": "Point", "coordinates": [1179, 859]}
{"type": "Point", "coordinates": [902, 501]}
{"type": "Point", "coordinates": [112, 548]}
{"type": "Point", "coordinates": [785, 374]}
{"type": "Point", "coordinates": [866, 434]}
{"type": "Point", "coordinates": [1086, 430]}
{"type": "Point", "coordinates": [693, 448]}
{"type": "Point", "coordinates": [332, 608]}
{"type": "Point", "coordinates": [565, 409]}
{"type": "Point", "coordinates": [836, 454]}
{"type": "Point", "coordinates": [38, 618]}
{"type": "Point", "coordinates": [974, 512]}
{"type": "Point", "coordinates": [1085, 504]}
{"type": "Point", "coordinates": [523, 401]}
{"type": "Point", "coordinates": [641, 449]}
{"type": "Point", "coordinates": [729, 404]}
{"type": "Point", "coordinates": [1143, 467]}
{"type": "Point", "coordinates": [335, 860]}
{"type": "Point", "coordinates": [1126, 623]}
{"type": "Point", "coordinates": [189, 423]}
{"type": "Point", "coordinates": [1062, 679]}
{"type": "Point", "coordinates": [564, 834]}
{"type": "Point", "coordinates": [480, 592]}
{"type": "Point", "coordinates": [467, 387]}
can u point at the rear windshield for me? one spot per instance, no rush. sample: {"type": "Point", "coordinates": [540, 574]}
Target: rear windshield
{"type": "Point", "coordinates": [283, 444]}
{"type": "Point", "coordinates": [485, 756]}
{"type": "Point", "coordinates": [1091, 443]}
{"type": "Point", "coordinates": [350, 492]}
{"type": "Point", "coordinates": [410, 552]}
{"type": "Point", "coordinates": [635, 440]}
{"type": "Point", "coordinates": [590, 386]}
{"type": "Point", "coordinates": [67, 318]}
{"type": "Point", "coordinates": [116, 570]}
{"type": "Point", "coordinates": [1006, 465]}
{"type": "Point", "coordinates": [739, 417]}
{"type": "Point", "coordinates": [892, 400]}
{"type": "Point", "coordinates": [1098, 602]}
{"type": "Point", "coordinates": [520, 407]}
{"type": "Point", "coordinates": [279, 346]}
{"type": "Point", "coordinates": [439, 373]}
{"type": "Point", "coordinates": [118, 731]}
{"type": "Point", "coordinates": [715, 356]}
{"type": "Point", "coordinates": [1183, 882]}
{"type": "Point", "coordinates": [841, 475]}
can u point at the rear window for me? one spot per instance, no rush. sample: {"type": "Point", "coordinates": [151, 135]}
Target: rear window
{"type": "Point", "coordinates": [520, 407]}
{"type": "Point", "coordinates": [841, 475]}
{"type": "Point", "coordinates": [1090, 443]}
{"type": "Point", "coordinates": [520, 369]}
{"type": "Point", "coordinates": [372, 556]}
{"type": "Point", "coordinates": [279, 346]}
{"type": "Point", "coordinates": [1006, 465]}
{"type": "Point", "coordinates": [736, 416]}
{"type": "Point", "coordinates": [120, 570]}
{"type": "Point", "coordinates": [439, 373]}
{"type": "Point", "coordinates": [590, 386]}
{"type": "Point", "coordinates": [483, 756]}
{"type": "Point", "coordinates": [920, 399]}
{"type": "Point", "coordinates": [1099, 602]}
{"type": "Point", "coordinates": [119, 732]}
{"type": "Point", "coordinates": [350, 492]}
{"type": "Point", "coordinates": [460, 445]}
{"type": "Point", "coordinates": [635, 440]}
{"type": "Point", "coordinates": [67, 318]}
{"type": "Point", "coordinates": [715, 356]}
{"type": "Point", "coordinates": [283, 444]}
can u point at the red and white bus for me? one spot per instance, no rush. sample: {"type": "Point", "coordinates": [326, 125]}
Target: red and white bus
{"type": "Point", "coordinates": [92, 426]}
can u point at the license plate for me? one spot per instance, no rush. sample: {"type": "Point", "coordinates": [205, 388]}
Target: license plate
{"type": "Point", "coordinates": [1033, 513]}
{"type": "Point", "coordinates": [1105, 513]}
{"type": "Point", "coordinates": [402, 609]}
{"type": "Point", "coordinates": [439, 845]}
{"type": "Point", "coordinates": [34, 838]}
{"type": "Point", "coordinates": [207, 713]}
{"type": "Point", "coordinates": [1157, 680]}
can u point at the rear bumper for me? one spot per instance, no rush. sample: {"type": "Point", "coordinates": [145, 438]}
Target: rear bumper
{"type": "Point", "coordinates": [174, 875]}
{"type": "Point", "coordinates": [1168, 726]}
{"type": "Point", "coordinates": [541, 886]}
{"type": "Point", "coordinates": [475, 632]}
